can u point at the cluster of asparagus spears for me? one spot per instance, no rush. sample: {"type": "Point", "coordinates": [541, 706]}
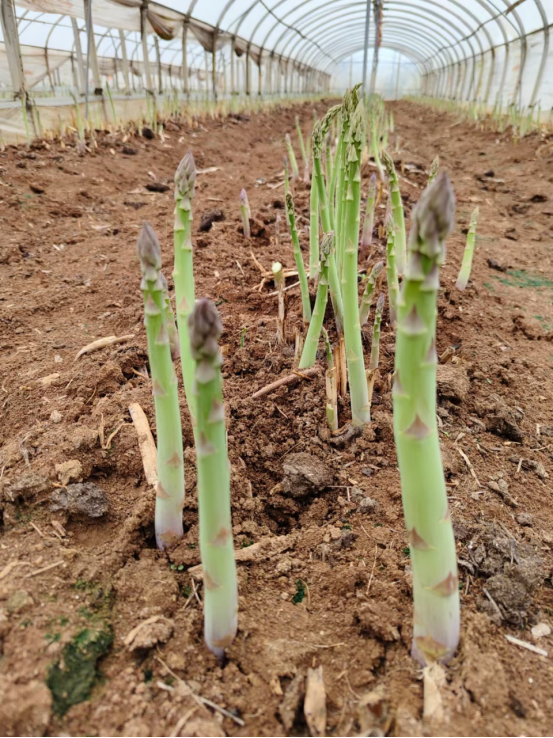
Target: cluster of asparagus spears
{"type": "Point", "coordinates": [195, 339]}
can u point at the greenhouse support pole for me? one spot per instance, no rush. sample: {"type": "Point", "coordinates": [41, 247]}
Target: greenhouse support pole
{"type": "Point", "coordinates": [144, 39]}
{"type": "Point", "coordinates": [397, 75]}
{"type": "Point", "coordinates": [248, 71]}
{"type": "Point", "coordinates": [214, 66]}
{"type": "Point", "coordinates": [158, 64]}
{"type": "Point", "coordinates": [13, 50]}
{"type": "Point", "coordinates": [125, 62]}
{"type": "Point", "coordinates": [91, 55]}
{"type": "Point", "coordinates": [366, 46]}
{"type": "Point", "coordinates": [377, 18]}
{"type": "Point", "coordinates": [79, 56]}
{"type": "Point", "coordinates": [232, 67]}
{"type": "Point", "coordinates": [185, 85]}
{"type": "Point", "coordinates": [260, 77]}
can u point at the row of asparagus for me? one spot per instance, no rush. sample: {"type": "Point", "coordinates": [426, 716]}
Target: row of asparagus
{"type": "Point", "coordinates": [193, 330]}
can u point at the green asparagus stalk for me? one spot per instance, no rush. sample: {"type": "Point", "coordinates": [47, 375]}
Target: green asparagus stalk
{"type": "Point", "coordinates": [464, 273]}
{"type": "Point", "coordinates": [170, 469]}
{"type": "Point", "coordinates": [216, 546]}
{"type": "Point", "coordinates": [329, 167]}
{"type": "Point", "coordinates": [360, 410]}
{"type": "Point", "coordinates": [301, 142]}
{"type": "Point", "coordinates": [309, 353]}
{"type": "Point", "coordinates": [427, 517]}
{"type": "Point", "coordinates": [172, 332]}
{"type": "Point", "coordinates": [183, 272]}
{"type": "Point", "coordinates": [391, 271]}
{"type": "Point", "coordinates": [433, 170]}
{"type": "Point", "coordinates": [397, 211]}
{"type": "Point", "coordinates": [286, 177]}
{"type": "Point", "coordinates": [314, 258]}
{"type": "Point", "coordinates": [278, 278]}
{"type": "Point", "coordinates": [292, 157]}
{"type": "Point", "coordinates": [367, 299]}
{"type": "Point", "coordinates": [368, 225]}
{"type": "Point", "coordinates": [245, 213]}
{"type": "Point", "coordinates": [302, 276]}
{"type": "Point", "coordinates": [375, 345]}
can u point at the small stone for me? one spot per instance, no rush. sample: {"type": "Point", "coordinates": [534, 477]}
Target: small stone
{"type": "Point", "coordinates": [347, 538]}
{"type": "Point", "coordinates": [207, 219]}
{"type": "Point", "coordinates": [540, 630]}
{"type": "Point", "coordinates": [284, 596]}
{"type": "Point", "coordinates": [26, 485]}
{"type": "Point", "coordinates": [453, 383]}
{"type": "Point", "coordinates": [80, 499]}
{"type": "Point", "coordinates": [284, 566]}
{"type": "Point", "coordinates": [335, 533]}
{"type": "Point", "coordinates": [304, 474]}
{"type": "Point", "coordinates": [25, 709]}
{"type": "Point", "coordinates": [525, 519]}
{"type": "Point", "coordinates": [58, 359]}
{"type": "Point", "coordinates": [55, 416]}
{"type": "Point", "coordinates": [151, 634]}
{"type": "Point", "coordinates": [20, 600]}
{"type": "Point", "coordinates": [69, 471]}
{"type": "Point", "coordinates": [368, 505]}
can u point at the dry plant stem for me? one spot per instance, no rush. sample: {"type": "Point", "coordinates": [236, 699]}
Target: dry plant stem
{"type": "Point", "coordinates": [302, 276]}
{"type": "Point", "coordinates": [391, 271]}
{"type": "Point", "coordinates": [466, 266]}
{"type": "Point", "coordinates": [216, 546]}
{"type": "Point", "coordinates": [314, 256]}
{"type": "Point", "coordinates": [427, 517]}
{"type": "Point", "coordinates": [343, 367]}
{"type": "Point", "coordinates": [397, 212]}
{"type": "Point", "coordinates": [170, 469]}
{"type": "Point", "coordinates": [309, 353]}
{"type": "Point", "coordinates": [278, 277]}
{"type": "Point", "coordinates": [292, 157]}
{"type": "Point", "coordinates": [331, 386]}
{"type": "Point", "coordinates": [368, 225]}
{"type": "Point", "coordinates": [367, 298]}
{"type": "Point", "coordinates": [245, 213]}
{"type": "Point", "coordinates": [183, 272]}
{"type": "Point", "coordinates": [288, 379]}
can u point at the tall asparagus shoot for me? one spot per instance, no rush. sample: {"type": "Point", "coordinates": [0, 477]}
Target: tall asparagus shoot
{"type": "Point", "coordinates": [278, 278]}
{"type": "Point", "coordinates": [311, 344]}
{"type": "Point", "coordinates": [360, 410]}
{"type": "Point", "coordinates": [367, 298]}
{"type": "Point", "coordinates": [301, 142]}
{"type": "Point", "coordinates": [433, 170]}
{"type": "Point", "coordinates": [331, 386]}
{"type": "Point", "coordinates": [433, 558]}
{"type": "Point", "coordinates": [368, 225]}
{"type": "Point", "coordinates": [314, 257]}
{"type": "Point", "coordinates": [172, 332]}
{"type": "Point", "coordinates": [302, 276]}
{"type": "Point", "coordinates": [292, 157]}
{"type": "Point", "coordinates": [183, 271]}
{"type": "Point", "coordinates": [391, 271]}
{"type": "Point", "coordinates": [170, 469]}
{"type": "Point", "coordinates": [466, 266]}
{"type": "Point", "coordinates": [397, 211]}
{"type": "Point", "coordinates": [216, 546]}
{"type": "Point", "coordinates": [375, 346]}
{"type": "Point", "coordinates": [245, 213]}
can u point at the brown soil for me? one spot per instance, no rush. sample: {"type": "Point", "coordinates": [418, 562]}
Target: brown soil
{"type": "Point", "coordinates": [336, 591]}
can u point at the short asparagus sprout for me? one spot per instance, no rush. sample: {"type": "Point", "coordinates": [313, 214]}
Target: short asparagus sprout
{"type": "Point", "coordinates": [314, 257]}
{"type": "Point", "coordinates": [278, 277]}
{"type": "Point", "coordinates": [331, 386]}
{"type": "Point", "coordinates": [245, 213]}
{"type": "Point", "coordinates": [292, 157]}
{"type": "Point", "coordinates": [368, 225]}
{"type": "Point", "coordinates": [183, 270]}
{"type": "Point", "coordinates": [309, 353]}
{"type": "Point", "coordinates": [391, 271]}
{"type": "Point", "coordinates": [302, 276]}
{"type": "Point", "coordinates": [427, 517]}
{"type": "Point", "coordinates": [216, 546]}
{"type": "Point", "coordinates": [367, 299]}
{"type": "Point", "coordinates": [302, 144]}
{"type": "Point", "coordinates": [397, 211]}
{"type": "Point", "coordinates": [466, 266]}
{"type": "Point", "coordinates": [170, 469]}
{"type": "Point", "coordinates": [170, 320]}
{"type": "Point", "coordinates": [375, 347]}
{"type": "Point", "coordinates": [433, 170]}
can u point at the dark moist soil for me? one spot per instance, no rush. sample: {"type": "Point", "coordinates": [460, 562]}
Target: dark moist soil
{"type": "Point", "coordinates": [330, 582]}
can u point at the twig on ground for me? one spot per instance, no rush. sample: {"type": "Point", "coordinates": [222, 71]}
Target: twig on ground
{"type": "Point", "coordinates": [102, 343]}
{"type": "Point", "coordinates": [288, 379]}
{"type": "Point", "coordinates": [525, 644]}
{"type": "Point", "coordinates": [146, 442]}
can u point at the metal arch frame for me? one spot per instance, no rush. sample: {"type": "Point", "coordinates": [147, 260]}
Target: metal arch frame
{"type": "Point", "coordinates": [349, 48]}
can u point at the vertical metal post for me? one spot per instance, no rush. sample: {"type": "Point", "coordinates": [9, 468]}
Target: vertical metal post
{"type": "Point", "coordinates": [184, 68]}
{"type": "Point", "coordinates": [214, 67]}
{"type": "Point", "coordinates": [91, 55]}
{"type": "Point", "coordinates": [13, 50]}
{"type": "Point", "coordinates": [79, 54]}
{"type": "Point", "coordinates": [125, 62]}
{"type": "Point", "coordinates": [366, 46]}
{"type": "Point", "coordinates": [377, 13]}
{"type": "Point", "coordinates": [144, 39]}
{"type": "Point", "coordinates": [396, 96]}
{"type": "Point", "coordinates": [158, 64]}
{"type": "Point", "coordinates": [351, 72]}
{"type": "Point", "coordinates": [248, 71]}
{"type": "Point", "coordinates": [232, 63]}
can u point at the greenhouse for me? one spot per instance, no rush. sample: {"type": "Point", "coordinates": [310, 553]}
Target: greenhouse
{"type": "Point", "coordinates": [276, 329]}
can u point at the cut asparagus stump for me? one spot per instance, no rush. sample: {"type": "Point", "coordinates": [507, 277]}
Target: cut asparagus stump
{"type": "Point", "coordinates": [367, 298]}
{"type": "Point", "coordinates": [302, 276]}
{"type": "Point", "coordinates": [183, 271]}
{"type": "Point", "coordinates": [170, 469]}
{"type": "Point", "coordinates": [427, 517]}
{"type": "Point", "coordinates": [245, 213]}
{"type": "Point", "coordinates": [278, 278]}
{"type": "Point", "coordinates": [331, 386]}
{"type": "Point", "coordinates": [216, 546]}
{"type": "Point", "coordinates": [397, 212]}
{"type": "Point", "coordinates": [466, 266]}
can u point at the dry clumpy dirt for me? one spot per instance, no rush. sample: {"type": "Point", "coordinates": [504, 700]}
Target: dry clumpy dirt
{"type": "Point", "coordinates": [329, 582]}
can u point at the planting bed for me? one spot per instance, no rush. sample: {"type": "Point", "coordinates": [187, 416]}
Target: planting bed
{"type": "Point", "coordinates": [325, 575]}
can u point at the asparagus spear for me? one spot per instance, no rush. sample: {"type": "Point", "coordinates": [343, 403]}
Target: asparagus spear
{"type": "Point", "coordinates": [314, 258]}
{"type": "Point", "coordinates": [172, 332]}
{"type": "Point", "coordinates": [360, 410]}
{"type": "Point", "coordinates": [433, 558]}
{"type": "Point", "coordinates": [367, 237]}
{"type": "Point", "coordinates": [464, 273]}
{"type": "Point", "coordinates": [304, 288]}
{"type": "Point", "coordinates": [367, 299]}
{"type": "Point", "coordinates": [170, 469]}
{"type": "Point", "coordinates": [292, 157]}
{"type": "Point", "coordinates": [375, 345]}
{"type": "Point", "coordinates": [433, 170]}
{"type": "Point", "coordinates": [397, 211]}
{"type": "Point", "coordinates": [301, 142]}
{"type": "Point", "coordinates": [183, 271]}
{"type": "Point", "coordinates": [391, 271]}
{"type": "Point", "coordinates": [278, 277]}
{"type": "Point", "coordinates": [311, 344]}
{"type": "Point", "coordinates": [245, 213]}
{"type": "Point", "coordinates": [216, 546]}
{"type": "Point", "coordinates": [331, 386]}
